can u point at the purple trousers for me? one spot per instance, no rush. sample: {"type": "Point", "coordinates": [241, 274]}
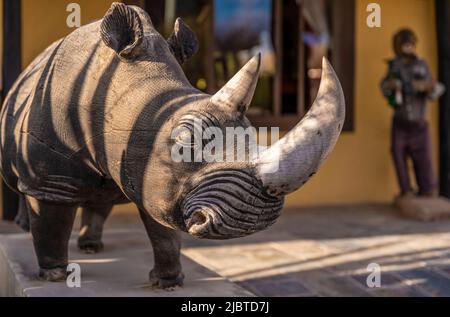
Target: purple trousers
{"type": "Point", "coordinates": [412, 140]}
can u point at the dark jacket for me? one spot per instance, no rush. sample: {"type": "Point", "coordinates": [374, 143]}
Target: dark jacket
{"type": "Point", "coordinates": [413, 107]}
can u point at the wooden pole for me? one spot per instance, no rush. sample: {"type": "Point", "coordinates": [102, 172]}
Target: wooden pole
{"type": "Point", "coordinates": [11, 70]}
{"type": "Point", "coordinates": [443, 35]}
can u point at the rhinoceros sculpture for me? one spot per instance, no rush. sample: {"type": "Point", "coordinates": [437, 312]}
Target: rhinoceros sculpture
{"type": "Point", "coordinates": [89, 124]}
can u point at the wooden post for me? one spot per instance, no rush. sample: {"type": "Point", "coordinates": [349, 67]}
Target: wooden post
{"type": "Point", "coordinates": [443, 35]}
{"type": "Point", "coordinates": [11, 70]}
{"type": "Point", "coordinates": [278, 38]}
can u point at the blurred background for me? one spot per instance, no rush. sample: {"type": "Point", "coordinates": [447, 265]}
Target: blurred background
{"type": "Point", "coordinates": [292, 36]}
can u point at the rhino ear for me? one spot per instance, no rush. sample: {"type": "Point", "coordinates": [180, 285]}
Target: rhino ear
{"type": "Point", "coordinates": [183, 42]}
{"type": "Point", "coordinates": [121, 29]}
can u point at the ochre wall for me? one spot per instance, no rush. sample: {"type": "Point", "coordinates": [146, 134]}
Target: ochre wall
{"type": "Point", "coordinates": [360, 169]}
{"type": "Point", "coordinates": [44, 21]}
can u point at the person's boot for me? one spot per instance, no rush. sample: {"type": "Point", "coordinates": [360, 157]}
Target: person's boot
{"type": "Point", "coordinates": [431, 194]}
{"type": "Point", "coordinates": [405, 195]}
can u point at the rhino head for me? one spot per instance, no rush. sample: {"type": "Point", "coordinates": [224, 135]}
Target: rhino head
{"type": "Point", "coordinates": [233, 199]}
{"type": "Point", "coordinates": [211, 199]}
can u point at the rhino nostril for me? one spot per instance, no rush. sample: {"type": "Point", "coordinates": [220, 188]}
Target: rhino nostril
{"type": "Point", "coordinates": [199, 218]}
{"type": "Point", "coordinates": [197, 222]}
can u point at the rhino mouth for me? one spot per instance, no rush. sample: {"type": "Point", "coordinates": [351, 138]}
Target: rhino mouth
{"type": "Point", "coordinates": [229, 204]}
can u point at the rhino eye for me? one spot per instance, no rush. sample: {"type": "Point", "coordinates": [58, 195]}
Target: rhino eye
{"type": "Point", "coordinates": [185, 138]}
{"type": "Point", "coordinates": [190, 132]}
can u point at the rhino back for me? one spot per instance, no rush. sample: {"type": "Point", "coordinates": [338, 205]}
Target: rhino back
{"type": "Point", "coordinates": [13, 112]}
{"type": "Point", "coordinates": [46, 122]}
{"type": "Point", "coordinates": [80, 108]}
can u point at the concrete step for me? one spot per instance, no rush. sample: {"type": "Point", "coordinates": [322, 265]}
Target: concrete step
{"type": "Point", "coordinates": [8, 227]}
{"type": "Point", "coordinates": [121, 269]}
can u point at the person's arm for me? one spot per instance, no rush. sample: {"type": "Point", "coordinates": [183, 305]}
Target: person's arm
{"type": "Point", "coordinates": [431, 88]}
{"type": "Point", "coordinates": [389, 84]}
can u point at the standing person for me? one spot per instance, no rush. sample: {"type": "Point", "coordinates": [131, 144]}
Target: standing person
{"type": "Point", "coordinates": [408, 86]}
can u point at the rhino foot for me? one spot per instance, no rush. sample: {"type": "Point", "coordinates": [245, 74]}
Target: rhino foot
{"type": "Point", "coordinates": [53, 275]}
{"type": "Point", "coordinates": [168, 284]}
{"type": "Point", "coordinates": [90, 246]}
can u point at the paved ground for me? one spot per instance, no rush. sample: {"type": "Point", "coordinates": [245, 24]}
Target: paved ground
{"type": "Point", "coordinates": [326, 251]}
{"type": "Point", "coordinates": [120, 270]}
{"type": "Point", "coordinates": [8, 228]}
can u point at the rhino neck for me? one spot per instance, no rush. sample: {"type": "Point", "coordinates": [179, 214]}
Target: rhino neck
{"type": "Point", "coordinates": [113, 108]}
{"type": "Point", "coordinates": [135, 120]}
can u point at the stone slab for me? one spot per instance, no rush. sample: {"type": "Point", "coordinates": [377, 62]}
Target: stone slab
{"type": "Point", "coordinates": [424, 208]}
{"type": "Point", "coordinates": [8, 227]}
{"type": "Point", "coordinates": [120, 270]}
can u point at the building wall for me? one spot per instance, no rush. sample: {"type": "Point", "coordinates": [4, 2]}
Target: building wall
{"type": "Point", "coordinates": [360, 169]}
{"type": "Point", "coordinates": [44, 21]}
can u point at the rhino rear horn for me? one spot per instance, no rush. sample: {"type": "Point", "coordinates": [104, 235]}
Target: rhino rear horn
{"type": "Point", "coordinates": [121, 29]}
{"type": "Point", "coordinates": [238, 92]}
{"type": "Point", "coordinates": [183, 42]}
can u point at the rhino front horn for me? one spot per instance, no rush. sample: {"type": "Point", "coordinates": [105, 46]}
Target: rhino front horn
{"type": "Point", "coordinates": [291, 161]}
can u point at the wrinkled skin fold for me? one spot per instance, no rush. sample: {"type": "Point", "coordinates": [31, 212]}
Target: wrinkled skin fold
{"type": "Point", "coordinates": [89, 124]}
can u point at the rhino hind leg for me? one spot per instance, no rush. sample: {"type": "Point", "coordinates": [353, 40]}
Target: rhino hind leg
{"type": "Point", "coordinates": [92, 221]}
{"type": "Point", "coordinates": [166, 243]}
{"type": "Point", "coordinates": [51, 226]}
{"type": "Point", "coordinates": [22, 219]}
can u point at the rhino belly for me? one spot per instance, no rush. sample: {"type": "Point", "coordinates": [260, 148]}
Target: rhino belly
{"type": "Point", "coordinates": [13, 112]}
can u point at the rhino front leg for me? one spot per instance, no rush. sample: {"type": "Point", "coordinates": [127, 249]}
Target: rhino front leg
{"type": "Point", "coordinates": [166, 244]}
{"type": "Point", "coordinates": [51, 226]}
{"type": "Point", "coordinates": [92, 220]}
{"type": "Point", "coordinates": [22, 219]}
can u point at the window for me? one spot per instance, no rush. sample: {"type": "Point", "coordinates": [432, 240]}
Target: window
{"type": "Point", "coordinates": [292, 35]}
